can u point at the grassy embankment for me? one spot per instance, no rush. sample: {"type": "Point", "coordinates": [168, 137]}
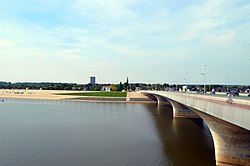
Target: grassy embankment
{"type": "Point", "coordinates": [97, 94]}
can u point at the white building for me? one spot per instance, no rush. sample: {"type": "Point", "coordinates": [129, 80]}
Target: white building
{"type": "Point", "coordinates": [106, 88]}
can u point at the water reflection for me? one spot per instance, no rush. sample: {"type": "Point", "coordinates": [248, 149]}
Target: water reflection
{"type": "Point", "coordinates": [40, 132]}
{"type": "Point", "coordinates": [185, 141]}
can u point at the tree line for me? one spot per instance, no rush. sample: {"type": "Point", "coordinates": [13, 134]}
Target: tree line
{"type": "Point", "coordinates": [116, 87]}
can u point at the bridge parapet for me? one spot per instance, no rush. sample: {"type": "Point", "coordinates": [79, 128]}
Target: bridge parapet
{"type": "Point", "coordinates": [238, 114]}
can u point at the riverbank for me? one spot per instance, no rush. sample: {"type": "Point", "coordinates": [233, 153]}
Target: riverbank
{"type": "Point", "coordinates": [132, 97]}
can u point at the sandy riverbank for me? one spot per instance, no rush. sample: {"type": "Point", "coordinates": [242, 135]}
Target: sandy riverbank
{"type": "Point", "coordinates": [135, 97]}
{"type": "Point", "coordinates": [34, 94]}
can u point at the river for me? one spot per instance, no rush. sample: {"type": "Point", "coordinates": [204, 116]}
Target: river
{"type": "Point", "coordinates": [66, 133]}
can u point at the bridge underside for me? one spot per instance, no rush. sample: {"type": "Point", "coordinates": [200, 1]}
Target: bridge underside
{"type": "Point", "coordinates": [179, 110]}
{"type": "Point", "coordinates": [232, 143]}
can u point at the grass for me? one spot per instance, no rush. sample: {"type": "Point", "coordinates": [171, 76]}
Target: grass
{"type": "Point", "coordinates": [99, 94]}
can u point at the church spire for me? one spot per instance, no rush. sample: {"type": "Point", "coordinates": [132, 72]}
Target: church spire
{"type": "Point", "coordinates": [126, 85]}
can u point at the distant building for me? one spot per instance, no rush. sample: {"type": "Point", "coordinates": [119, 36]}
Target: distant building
{"type": "Point", "coordinates": [184, 88]}
{"type": "Point", "coordinates": [92, 80]}
{"type": "Point", "coordinates": [137, 88]}
{"type": "Point", "coordinates": [106, 88]}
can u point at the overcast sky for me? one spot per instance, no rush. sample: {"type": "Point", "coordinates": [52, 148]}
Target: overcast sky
{"type": "Point", "coordinates": [156, 41]}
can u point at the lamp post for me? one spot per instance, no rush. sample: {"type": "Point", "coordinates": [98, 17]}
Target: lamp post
{"type": "Point", "coordinates": [227, 83]}
{"type": "Point", "coordinates": [205, 75]}
{"type": "Point", "coordinates": [205, 71]}
{"type": "Point", "coordinates": [186, 82]}
{"type": "Point", "coordinates": [209, 85]}
{"type": "Point", "coordinates": [176, 86]}
{"type": "Point", "coordinates": [186, 78]}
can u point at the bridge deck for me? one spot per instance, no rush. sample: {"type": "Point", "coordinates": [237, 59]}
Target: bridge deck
{"type": "Point", "coordinates": [237, 113]}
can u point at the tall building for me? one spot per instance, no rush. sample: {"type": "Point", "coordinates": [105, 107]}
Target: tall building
{"type": "Point", "coordinates": [92, 80]}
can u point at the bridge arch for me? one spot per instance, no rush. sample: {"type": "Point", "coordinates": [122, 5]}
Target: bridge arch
{"type": "Point", "coordinates": [231, 142]}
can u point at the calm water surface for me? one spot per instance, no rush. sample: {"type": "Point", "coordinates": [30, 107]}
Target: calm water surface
{"type": "Point", "coordinates": [49, 133]}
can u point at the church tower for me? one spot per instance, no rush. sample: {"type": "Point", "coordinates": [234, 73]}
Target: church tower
{"type": "Point", "coordinates": [126, 85]}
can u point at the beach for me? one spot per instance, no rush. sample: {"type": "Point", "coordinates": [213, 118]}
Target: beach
{"type": "Point", "coordinates": [134, 97]}
{"type": "Point", "coordinates": [35, 94]}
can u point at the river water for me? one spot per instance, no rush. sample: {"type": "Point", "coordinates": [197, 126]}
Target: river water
{"type": "Point", "coordinates": [63, 133]}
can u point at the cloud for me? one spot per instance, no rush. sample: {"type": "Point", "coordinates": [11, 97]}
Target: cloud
{"type": "Point", "coordinates": [69, 54]}
{"type": "Point", "coordinates": [108, 10]}
{"type": "Point", "coordinates": [124, 35]}
{"type": "Point", "coordinates": [224, 39]}
{"type": "Point", "coordinates": [6, 43]}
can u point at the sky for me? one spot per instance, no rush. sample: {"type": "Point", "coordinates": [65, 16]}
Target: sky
{"type": "Point", "coordinates": [150, 41]}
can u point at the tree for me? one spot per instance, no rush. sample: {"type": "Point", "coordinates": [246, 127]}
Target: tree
{"type": "Point", "coordinates": [120, 87]}
{"type": "Point", "coordinates": [113, 87]}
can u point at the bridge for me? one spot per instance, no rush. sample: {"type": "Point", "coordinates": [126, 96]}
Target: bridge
{"type": "Point", "coordinates": [229, 124]}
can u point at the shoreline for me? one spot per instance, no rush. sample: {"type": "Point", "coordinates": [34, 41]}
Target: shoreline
{"type": "Point", "coordinates": [132, 97]}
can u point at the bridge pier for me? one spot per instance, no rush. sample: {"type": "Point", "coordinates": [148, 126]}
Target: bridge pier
{"type": "Point", "coordinates": [232, 143]}
{"type": "Point", "coordinates": [180, 111]}
{"type": "Point", "coordinates": [162, 100]}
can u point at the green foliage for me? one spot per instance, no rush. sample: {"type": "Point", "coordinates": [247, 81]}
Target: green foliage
{"type": "Point", "coordinates": [120, 87]}
{"type": "Point", "coordinates": [113, 88]}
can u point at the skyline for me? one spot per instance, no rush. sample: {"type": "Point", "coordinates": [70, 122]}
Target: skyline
{"type": "Point", "coordinates": [152, 42]}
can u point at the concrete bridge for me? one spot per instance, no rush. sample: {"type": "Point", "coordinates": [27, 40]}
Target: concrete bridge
{"type": "Point", "coordinates": [229, 124]}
